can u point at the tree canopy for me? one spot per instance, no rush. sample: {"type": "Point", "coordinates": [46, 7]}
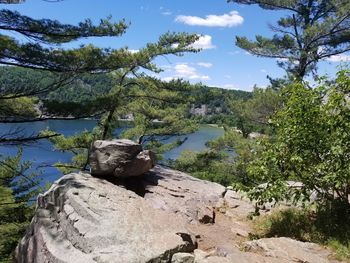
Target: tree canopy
{"type": "Point", "coordinates": [38, 52]}
{"type": "Point", "coordinates": [43, 52]}
{"type": "Point", "coordinates": [311, 30]}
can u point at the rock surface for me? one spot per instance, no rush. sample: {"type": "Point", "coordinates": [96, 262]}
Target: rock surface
{"type": "Point", "coordinates": [182, 258]}
{"type": "Point", "coordinates": [286, 249]}
{"type": "Point", "coordinates": [163, 216]}
{"type": "Point", "coordinates": [92, 220]}
{"type": "Point", "coordinates": [120, 158]}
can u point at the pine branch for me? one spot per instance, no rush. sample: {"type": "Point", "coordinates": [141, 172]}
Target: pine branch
{"type": "Point", "coordinates": [25, 140]}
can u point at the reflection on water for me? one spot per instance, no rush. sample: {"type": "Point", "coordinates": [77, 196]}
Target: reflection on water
{"type": "Point", "coordinates": [42, 154]}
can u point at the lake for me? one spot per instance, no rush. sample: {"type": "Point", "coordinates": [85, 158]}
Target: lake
{"type": "Point", "coordinates": [42, 154]}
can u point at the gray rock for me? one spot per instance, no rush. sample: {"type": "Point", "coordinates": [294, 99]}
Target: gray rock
{"type": "Point", "coordinates": [120, 158]}
{"type": "Point", "coordinates": [182, 258]}
{"type": "Point", "coordinates": [200, 255]}
{"type": "Point", "coordinates": [182, 194]}
{"type": "Point", "coordinates": [143, 162]}
{"type": "Point", "coordinates": [91, 220]}
{"type": "Point", "coordinates": [151, 218]}
{"type": "Point", "coordinates": [216, 259]}
{"type": "Point", "coordinates": [235, 204]}
{"type": "Point", "coordinates": [288, 250]}
{"type": "Point", "coordinates": [204, 257]}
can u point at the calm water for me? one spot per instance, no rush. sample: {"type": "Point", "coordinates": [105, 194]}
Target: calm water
{"type": "Point", "coordinates": [42, 154]}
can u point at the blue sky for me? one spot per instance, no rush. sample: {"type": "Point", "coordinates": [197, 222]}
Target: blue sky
{"type": "Point", "coordinates": [220, 63]}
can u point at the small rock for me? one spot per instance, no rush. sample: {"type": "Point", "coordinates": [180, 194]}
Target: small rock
{"type": "Point", "coordinates": [206, 215]}
{"type": "Point", "coordinates": [240, 232]}
{"type": "Point", "coordinates": [200, 255]}
{"type": "Point", "coordinates": [182, 258]}
{"type": "Point", "coordinates": [215, 259]}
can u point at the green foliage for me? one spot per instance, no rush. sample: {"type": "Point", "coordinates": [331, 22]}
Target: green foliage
{"type": "Point", "coordinates": [39, 49]}
{"type": "Point", "coordinates": [17, 187]}
{"type": "Point", "coordinates": [159, 108]}
{"type": "Point", "coordinates": [78, 145]}
{"type": "Point", "coordinates": [84, 94]}
{"type": "Point", "coordinates": [216, 97]}
{"type": "Point", "coordinates": [254, 113]}
{"type": "Point", "coordinates": [17, 82]}
{"type": "Point", "coordinates": [242, 150]}
{"type": "Point", "coordinates": [208, 165]}
{"type": "Point", "coordinates": [18, 108]}
{"type": "Point", "coordinates": [224, 162]}
{"type": "Point", "coordinates": [311, 145]}
{"type": "Point", "coordinates": [342, 252]}
{"type": "Point", "coordinates": [43, 32]}
{"type": "Point", "coordinates": [327, 225]}
{"type": "Point", "coordinates": [309, 32]}
{"type": "Point", "coordinates": [82, 89]}
{"type": "Point", "coordinates": [52, 31]}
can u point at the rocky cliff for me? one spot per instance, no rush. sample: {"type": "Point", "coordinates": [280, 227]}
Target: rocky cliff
{"type": "Point", "coordinates": [160, 216]}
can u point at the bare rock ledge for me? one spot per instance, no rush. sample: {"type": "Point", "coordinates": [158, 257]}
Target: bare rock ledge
{"type": "Point", "coordinates": [161, 216]}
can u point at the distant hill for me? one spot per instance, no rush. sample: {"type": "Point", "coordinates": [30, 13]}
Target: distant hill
{"type": "Point", "coordinates": [206, 101]}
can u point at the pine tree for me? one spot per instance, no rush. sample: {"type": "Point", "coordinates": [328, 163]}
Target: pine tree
{"type": "Point", "coordinates": [311, 31]}
{"type": "Point", "coordinates": [43, 53]}
{"type": "Point", "coordinates": [18, 189]}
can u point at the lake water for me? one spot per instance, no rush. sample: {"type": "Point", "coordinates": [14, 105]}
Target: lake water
{"type": "Point", "coordinates": [42, 154]}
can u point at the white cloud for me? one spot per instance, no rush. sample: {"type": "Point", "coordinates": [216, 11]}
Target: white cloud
{"type": "Point", "coordinates": [339, 58]}
{"type": "Point", "coordinates": [230, 86]}
{"type": "Point", "coordinates": [225, 20]}
{"type": "Point", "coordinates": [133, 51]}
{"type": "Point", "coordinates": [183, 70]}
{"type": "Point", "coordinates": [166, 67]}
{"type": "Point", "coordinates": [335, 58]}
{"type": "Point", "coordinates": [188, 72]}
{"type": "Point", "coordinates": [228, 76]}
{"type": "Point", "coordinates": [204, 42]}
{"type": "Point", "coordinates": [263, 70]}
{"type": "Point", "coordinates": [168, 79]}
{"type": "Point", "coordinates": [205, 64]}
{"type": "Point", "coordinates": [294, 62]}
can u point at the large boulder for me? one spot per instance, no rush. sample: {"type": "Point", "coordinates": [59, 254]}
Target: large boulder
{"type": "Point", "coordinates": [120, 158]}
{"type": "Point", "coordinates": [86, 219]}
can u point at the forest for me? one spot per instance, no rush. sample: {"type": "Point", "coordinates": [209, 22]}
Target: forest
{"type": "Point", "coordinates": [295, 129]}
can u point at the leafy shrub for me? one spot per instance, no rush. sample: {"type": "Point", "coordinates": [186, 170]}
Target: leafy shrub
{"type": "Point", "coordinates": [311, 145]}
{"type": "Point", "coordinates": [327, 225]}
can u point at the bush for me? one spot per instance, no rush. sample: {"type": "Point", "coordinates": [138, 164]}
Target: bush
{"type": "Point", "coordinates": [208, 165]}
{"type": "Point", "coordinates": [311, 145]}
{"type": "Point", "coordinates": [327, 225]}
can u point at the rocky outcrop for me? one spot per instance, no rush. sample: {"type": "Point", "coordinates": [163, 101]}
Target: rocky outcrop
{"type": "Point", "coordinates": [91, 220]}
{"type": "Point", "coordinates": [178, 193]}
{"type": "Point", "coordinates": [161, 216]}
{"type": "Point", "coordinates": [120, 158]}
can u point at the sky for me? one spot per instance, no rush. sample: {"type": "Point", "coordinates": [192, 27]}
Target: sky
{"type": "Point", "coordinates": [220, 63]}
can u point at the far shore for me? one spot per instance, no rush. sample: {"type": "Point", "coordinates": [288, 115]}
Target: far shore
{"type": "Point", "coordinates": [215, 125]}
